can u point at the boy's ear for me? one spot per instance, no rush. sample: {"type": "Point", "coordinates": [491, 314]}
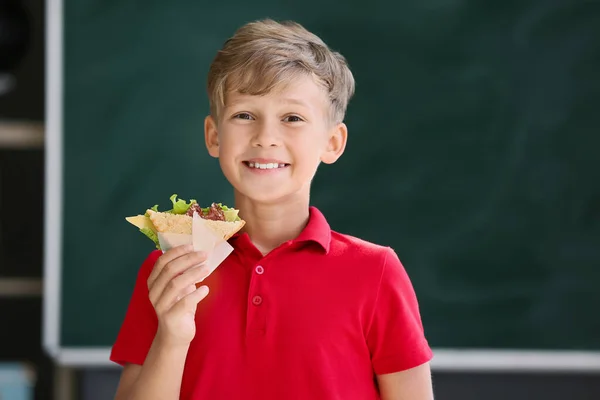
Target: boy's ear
{"type": "Point", "coordinates": [211, 137]}
{"type": "Point", "coordinates": [336, 143]}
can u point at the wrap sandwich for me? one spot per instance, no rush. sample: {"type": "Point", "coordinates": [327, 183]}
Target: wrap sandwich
{"type": "Point", "coordinates": [223, 221]}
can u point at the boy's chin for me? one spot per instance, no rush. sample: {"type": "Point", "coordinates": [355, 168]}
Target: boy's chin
{"type": "Point", "coordinates": [266, 196]}
{"type": "Point", "coordinates": [262, 198]}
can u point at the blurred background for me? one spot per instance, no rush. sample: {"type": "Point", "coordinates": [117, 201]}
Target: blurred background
{"type": "Point", "coordinates": [473, 152]}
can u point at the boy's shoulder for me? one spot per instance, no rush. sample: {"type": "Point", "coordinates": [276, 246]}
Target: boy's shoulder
{"type": "Point", "coordinates": [375, 263]}
{"type": "Point", "coordinates": [351, 242]}
{"type": "Point", "coordinates": [359, 250]}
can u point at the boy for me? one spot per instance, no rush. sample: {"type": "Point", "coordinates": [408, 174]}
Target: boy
{"type": "Point", "coordinates": [297, 311]}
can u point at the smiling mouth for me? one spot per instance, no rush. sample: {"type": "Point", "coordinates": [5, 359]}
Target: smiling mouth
{"type": "Point", "coordinates": [256, 165]}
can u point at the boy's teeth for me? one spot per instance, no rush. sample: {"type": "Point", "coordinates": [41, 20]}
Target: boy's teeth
{"type": "Point", "coordinates": [265, 166]}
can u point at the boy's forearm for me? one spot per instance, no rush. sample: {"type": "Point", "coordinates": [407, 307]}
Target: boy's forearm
{"type": "Point", "coordinates": [161, 374]}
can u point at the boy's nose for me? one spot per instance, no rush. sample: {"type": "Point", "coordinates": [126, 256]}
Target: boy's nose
{"type": "Point", "coordinates": [266, 136]}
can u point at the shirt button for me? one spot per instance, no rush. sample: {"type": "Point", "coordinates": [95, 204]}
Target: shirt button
{"type": "Point", "coordinates": [257, 300]}
{"type": "Point", "coordinates": [259, 270]}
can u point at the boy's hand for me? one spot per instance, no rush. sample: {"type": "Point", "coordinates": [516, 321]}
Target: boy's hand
{"type": "Point", "coordinates": [173, 293]}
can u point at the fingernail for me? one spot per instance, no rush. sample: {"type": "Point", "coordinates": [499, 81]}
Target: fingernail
{"type": "Point", "coordinates": [203, 288]}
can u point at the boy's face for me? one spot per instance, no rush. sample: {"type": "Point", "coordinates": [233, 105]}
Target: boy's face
{"type": "Point", "coordinates": [269, 147]}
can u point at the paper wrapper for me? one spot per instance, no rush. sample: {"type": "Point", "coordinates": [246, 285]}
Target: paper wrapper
{"type": "Point", "coordinates": [203, 239]}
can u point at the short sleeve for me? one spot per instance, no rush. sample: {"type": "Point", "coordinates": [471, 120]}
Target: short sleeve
{"type": "Point", "coordinates": [395, 336]}
{"type": "Point", "coordinates": [140, 324]}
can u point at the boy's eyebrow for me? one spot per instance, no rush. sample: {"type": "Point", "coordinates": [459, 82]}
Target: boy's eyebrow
{"type": "Point", "coordinates": [287, 100]}
{"type": "Point", "coordinates": [295, 101]}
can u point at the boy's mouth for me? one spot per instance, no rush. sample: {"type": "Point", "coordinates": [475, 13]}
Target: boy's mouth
{"type": "Point", "coordinates": [266, 165]}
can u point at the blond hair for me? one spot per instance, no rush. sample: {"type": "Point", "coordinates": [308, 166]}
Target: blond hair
{"type": "Point", "coordinates": [264, 54]}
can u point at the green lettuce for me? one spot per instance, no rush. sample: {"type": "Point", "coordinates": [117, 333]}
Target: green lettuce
{"type": "Point", "coordinates": [151, 235]}
{"type": "Point", "coordinates": [180, 206]}
{"type": "Point", "coordinates": [231, 215]}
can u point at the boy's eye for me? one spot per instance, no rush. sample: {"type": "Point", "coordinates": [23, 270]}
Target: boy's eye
{"type": "Point", "coordinates": [293, 118]}
{"type": "Point", "coordinates": [243, 116]}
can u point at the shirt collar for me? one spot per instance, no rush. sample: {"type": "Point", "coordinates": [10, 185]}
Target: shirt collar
{"type": "Point", "coordinates": [316, 230]}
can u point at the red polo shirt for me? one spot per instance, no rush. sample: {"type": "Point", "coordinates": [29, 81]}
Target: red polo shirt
{"type": "Point", "coordinates": [315, 319]}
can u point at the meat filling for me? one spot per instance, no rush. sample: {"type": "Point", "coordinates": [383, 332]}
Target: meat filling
{"type": "Point", "coordinates": [215, 212]}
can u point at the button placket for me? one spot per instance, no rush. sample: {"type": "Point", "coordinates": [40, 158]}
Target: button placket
{"type": "Point", "coordinates": [256, 302]}
{"type": "Point", "coordinates": [257, 299]}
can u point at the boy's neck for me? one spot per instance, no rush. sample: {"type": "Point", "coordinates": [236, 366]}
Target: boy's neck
{"type": "Point", "coordinates": [270, 225]}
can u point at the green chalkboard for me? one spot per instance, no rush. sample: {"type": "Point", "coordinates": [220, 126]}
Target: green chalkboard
{"type": "Point", "coordinates": [473, 152]}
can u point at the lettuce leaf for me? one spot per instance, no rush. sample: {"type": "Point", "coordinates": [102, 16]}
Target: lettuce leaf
{"type": "Point", "coordinates": [231, 214]}
{"type": "Point", "coordinates": [151, 235]}
{"type": "Point", "coordinates": [180, 206]}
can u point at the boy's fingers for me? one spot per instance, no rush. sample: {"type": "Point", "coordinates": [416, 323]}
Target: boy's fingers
{"type": "Point", "coordinates": [167, 257]}
{"type": "Point", "coordinates": [174, 270]}
{"type": "Point", "coordinates": [199, 294]}
{"type": "Point", "coordinates": [188, 303]}
{"type": "Point", "coordinates": [175, 266]}
{"type": "Point", "coordinates": [188, 289]}
{"type": "Point", "coordinates": [166, 293]}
